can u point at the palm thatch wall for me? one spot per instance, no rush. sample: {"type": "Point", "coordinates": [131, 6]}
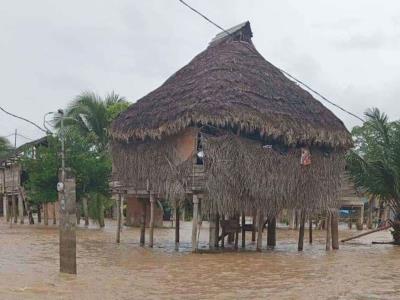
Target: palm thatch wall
{"type": "Point", "coordinates": [230, 87]}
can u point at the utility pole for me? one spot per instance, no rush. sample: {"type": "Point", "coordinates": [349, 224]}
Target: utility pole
{"type": "Point", "coordinates": [13, 200]}
{"type": "Point", "coordinates": [66, 189]}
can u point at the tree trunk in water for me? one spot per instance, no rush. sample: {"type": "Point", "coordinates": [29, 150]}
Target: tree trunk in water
{"type": "Point", "coordinates": [101, 214]}
{"type": "Point", "coordinates": [46, 214]}
{"type": "Point", "coordinates": [85, 210]}
{"type": "Point", "coordinates": [39, 214]}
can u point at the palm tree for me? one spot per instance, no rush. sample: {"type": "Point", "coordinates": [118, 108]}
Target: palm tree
{"type": "Point", "coordinates": [5, 147]}
{"type": "Point", "coordinates": [374, 165]}
{"type": "Point", "coordinates": [89, 114]}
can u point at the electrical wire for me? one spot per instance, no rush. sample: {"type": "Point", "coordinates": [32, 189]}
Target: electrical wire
{"type": "Point", "coordinates": [24, 119]}
{"type": "Point", "coordinates": [283, 71]}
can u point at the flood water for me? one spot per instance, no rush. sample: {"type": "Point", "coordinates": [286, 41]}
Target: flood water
{"type": "Point", "coordinates": [29, 267]}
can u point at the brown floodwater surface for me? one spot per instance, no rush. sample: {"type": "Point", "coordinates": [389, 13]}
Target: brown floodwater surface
{"type": "Point", "coordinates": [29, 267]}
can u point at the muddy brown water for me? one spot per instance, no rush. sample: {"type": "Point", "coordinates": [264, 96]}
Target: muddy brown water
{"type": "Point", "coordinates": [29, 267]}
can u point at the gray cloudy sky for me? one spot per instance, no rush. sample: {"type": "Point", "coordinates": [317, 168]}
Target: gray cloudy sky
{"type": "Point", "coordinates": [52, 50]}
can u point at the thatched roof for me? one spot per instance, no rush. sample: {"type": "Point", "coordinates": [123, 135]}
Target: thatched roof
{"type": "Point", "coordinates": [231, 85]}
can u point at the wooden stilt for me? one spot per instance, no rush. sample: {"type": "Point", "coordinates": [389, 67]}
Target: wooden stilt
{"type": "Point", "coordinates": [216, 232]}
{"type": "Point", "coordinates": [143, 224]}
{"type": "Point", "coordinates": [223, 235]}
{"type": "Point", "coordinates": [243, 230]}
{"type": "Point", "coordinates": [118, 218]}
{"type": "Point", "coordinates": [194, 222]}
{"type": "Point", "coordinates": [260, 223]}
{"type": "Point", "coordinates": [14, 207]}
{"type": "Point", "coordinates": [253, 233]}
{"type": "Point", "coordinates": [177, 225]}
{"type": "Point", "coordinates": [151, 232]}
{"type": "Point", "coordinates": [20, 209]}
{"type": "Point", "coordinates": [310, 230]}
{"type": "Point", "coordinates": [302, 219]}
{"type": "Point", "coordinates": [335, 229]}
{"type": "Point", "coordinates": [211, 239]}
{"type": "Point", "coordinates": [271, 238]}
{"type": "Point", "coordinates": [328, 231]}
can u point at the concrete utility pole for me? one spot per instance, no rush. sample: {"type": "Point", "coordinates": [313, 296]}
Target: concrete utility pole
{"type": "Point", "coordinates": [66, 189]}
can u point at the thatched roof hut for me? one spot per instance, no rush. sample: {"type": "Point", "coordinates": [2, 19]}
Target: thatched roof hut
{"type": "Point", "coordinates": [251, 123]}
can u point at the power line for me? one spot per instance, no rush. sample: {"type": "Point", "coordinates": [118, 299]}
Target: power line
{"type": "Point", "coordinates": [24, 119]}
{"type": "Point", "coordinates": [283, 71]}
{"type": "Point", "coordinates": [20, 135]}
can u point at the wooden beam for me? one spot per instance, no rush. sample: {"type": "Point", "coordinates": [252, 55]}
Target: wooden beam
{"type": "Point", "coordinates": [302, 219]}
{"type": "Point", "coordinates": [216, 232]}
{"type": "Point", "coordinates": [328, 231]}
{"type": "Point", "coordinates": [310, 230]}
{"type": "Point", "coordinates": [271, 237]}
{"type": "Point", "coordinates": [260, 223]}
{"type": "Point", "coordinates": [366, 233]}
{"type": "Point", "coordinates": [118, 238]}
{"type": "Point", "coordinates": [177, 225]}
{"type": "Point", "coordinates": [243, 230]}
{"type": "Point", "coordinates": [194, 222]}
{"type": "Point", "coordinates": [151, 233]}
{"type": "Point", "coordinates": [335, 229]}
{"type": "Point", "coordinates": [143, 224]}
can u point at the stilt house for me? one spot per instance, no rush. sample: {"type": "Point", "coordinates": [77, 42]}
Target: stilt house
{"type": "Point", "coordinates": [232, 132]}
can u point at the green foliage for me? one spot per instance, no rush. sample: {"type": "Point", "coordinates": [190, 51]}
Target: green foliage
{"type": "Point", "coordinates": [89, 114]}
{"type": "Point", "coordinates": [5, 147]}
{"type": "Point", "coordinates": [374, 165]}
{"type": "Point", "coordinates": [42, 170]}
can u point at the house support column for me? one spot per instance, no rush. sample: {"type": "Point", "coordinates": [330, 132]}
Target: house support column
{"type": "Point", "coordinates": [253, 233]}
{"type": "Point", "coordinates": [20, 209]}
{"type": "Point", "coordinates": [194, 222]}
{"type": "Point", "coordinates": [211, 240]}
{"type": "Point", "coordinates": [119, 201]}
{"type": "Point", "coordinates": [360, 222]}
{"type": "Point", "coordinates": [151, 233]}
{"type": "Point", "coordinates": [335, 229]}
{"type": "Point", "coordinates": [14, 208]}
{"type": "Point", "coordinates": [143, 224]}
{"type": "Point", "coordinates": [328, 230]}
{"type": "Point", "coordinates": [310, 230]}
{"type": "Point", "coordinates": [271, 237]}
{"type": "Point", "coordinates": [243, 230]}
{"type": "Point", "coordinates": [302, 219]}
{"type": "Point", "coordinates": [5, 207]}
{"type": "Point", "coordinates": [177, 225]}
{"type": "Point", "coordinates": [260, 224]}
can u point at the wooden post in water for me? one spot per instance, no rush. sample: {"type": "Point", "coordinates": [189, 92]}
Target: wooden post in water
{"type": "Point", "coordinates": [237, 233]}
{"type": "Point", "coordinates": [335, 229]}
{"type": "Point", "coordinates": [310, 230]}
{"type": "Point", "coordinates": [67, 198]}
{"type": "Point", "coordinates": [211, 239]}
{"type": "Point", "coordinates": [216, 232]}
{"type": "Point", "coordinates": [271, 237]}
{"type": "Point", "coordinates": [328, 231]}
{"type": "Point", "coordinates": [143, 224]}
{"type": "Point", "coordinates": [20, 209]}
{"type": "Point", "coordinates": [85, 210]}
{"type": "Point", "coordinates": [194, 222]}
{"type": "Point", "coordinates": [253, 233]}
{"type": "Point", "coordinates": [243, 230]}
{"type": "Point", "coordinates": [14, 206]}
{"type": "Point", "coordinates": [151, 233]}
{"type": "Point", "coordinates": [260, 224]}
{"type": "Point", "coordinates": [119, 217]}
{"type": "Point", "coordinates": [177, 225]}
{"type": "Point", "coordinates": [302, 219]}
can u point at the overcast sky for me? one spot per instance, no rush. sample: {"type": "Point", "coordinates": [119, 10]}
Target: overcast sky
{"type": "Point", "coordinates": [50, 51]}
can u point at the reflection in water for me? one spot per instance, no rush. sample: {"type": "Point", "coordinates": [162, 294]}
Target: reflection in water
{"type": "Point", "coordinates": [29, 267]}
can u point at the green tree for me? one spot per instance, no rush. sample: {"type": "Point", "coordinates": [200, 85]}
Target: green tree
{"type": "Point", "coordinates": [374, 164]}
{"type": "Point", "coordinates": [5, 147]}
{"type": "Point", "coordinates": [88, 113]}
